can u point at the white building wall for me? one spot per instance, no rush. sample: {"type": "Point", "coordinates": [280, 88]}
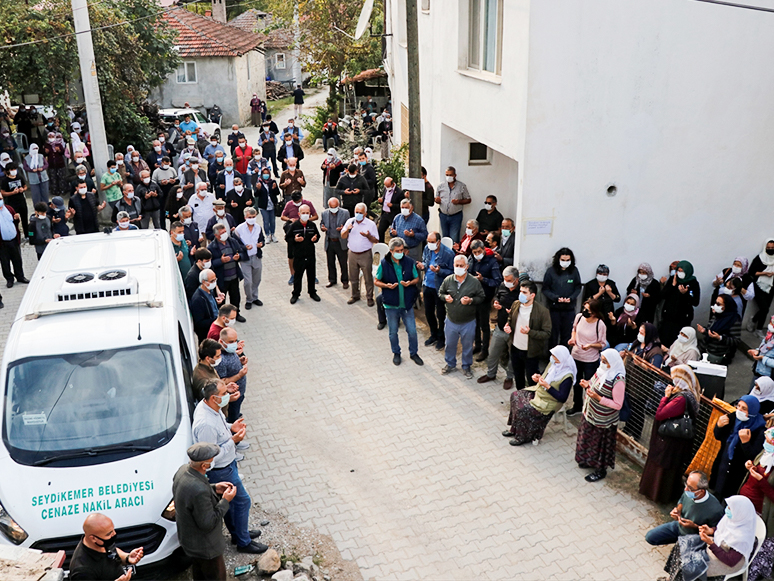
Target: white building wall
{"type": "Point", "coordinates": [245, 87]}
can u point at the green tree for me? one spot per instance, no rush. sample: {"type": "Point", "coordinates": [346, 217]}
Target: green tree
{"type": "Point", "coordinates": [133, 55]}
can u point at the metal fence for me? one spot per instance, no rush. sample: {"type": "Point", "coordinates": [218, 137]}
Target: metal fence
{"type": "Point", "coordinates": [645, 386]}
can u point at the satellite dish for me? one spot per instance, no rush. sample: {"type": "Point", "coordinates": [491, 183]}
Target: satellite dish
{"type": "Point", "coordinates": [365, 16]}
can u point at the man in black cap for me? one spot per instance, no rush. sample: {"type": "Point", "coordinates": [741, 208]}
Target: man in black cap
{"type": "Point", "coordinates": [97, 558]}
{"type": "Point", "coordinates": [199, 510]}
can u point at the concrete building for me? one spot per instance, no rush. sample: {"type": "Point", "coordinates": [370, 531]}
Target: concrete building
{"type": "Point", "coordinates": [219, 66]}
{"type": "Point", "coordinates": [630, 131]}
{"type": "Point", "coordinates": [278, 48]}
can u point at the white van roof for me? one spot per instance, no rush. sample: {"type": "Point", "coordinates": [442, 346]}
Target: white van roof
{"type": "Point", "coordinates": [134, 274]}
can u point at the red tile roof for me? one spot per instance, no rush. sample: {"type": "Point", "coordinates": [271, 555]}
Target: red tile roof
{"type": "Point", "coordinates": [255, 21]}
{"type": "Point", "coordinates": [365, 76]}
{"type": "Point", "coordinates": [201, 36]}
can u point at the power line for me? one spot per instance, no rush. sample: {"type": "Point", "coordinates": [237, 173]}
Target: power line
{"type": "Point", "coordinates": [735, 5]}
{"type": "Point", "coordinates": [115, 24]}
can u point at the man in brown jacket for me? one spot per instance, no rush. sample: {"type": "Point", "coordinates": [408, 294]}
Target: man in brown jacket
{"type": "Point", "coordinates": [529, 327]}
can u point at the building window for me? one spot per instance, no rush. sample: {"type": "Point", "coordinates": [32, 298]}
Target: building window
{"type": "Point", "coordinates": [425, 5]}
{"type": "Point", "coordinates": [279, 60]}
{"type": "Point", "coordinates": [186, 72]}
{"type": "Point", "coordinates": [485, 25]}
{"type": "Point", "coordinates": [401, 23]}
{"type": "Point", "coordinates": [479, 154]}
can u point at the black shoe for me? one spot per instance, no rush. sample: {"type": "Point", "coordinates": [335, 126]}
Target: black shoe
{"type": "Point", "coordinates": [396, 359]}
{"type": "Point", "coordinates": [381, 326]}
{"type": "Point", "coordinates": [596, 476]}
{"type": "Point", "coordinates": [2, 306]}
{"type": "Point", "coordinates": [430, 341]}
{"type": "Point", "coordinates": [254, 548]}
{"type": "Point", "coordinates": [476, 349]}
{"type": "Point", "coordinates": [417, 359]}
{"type": "Point", "coordinates": [440, 346]}
{"type": "Point", "coordinates": [240, 319]}
{"type": "Point", "coordinates": [483, 357]}
{"type": "Point", "coordinates": [258, 303]}
{"type": "Point", "coordinates": [515, 443]}
{"type": "Point", "coordinates": [248, 306]}
{"type": "Point", "coordinates": [293, 300]}
{"type": "Point", "coordinates": [508, 434]}
{"type": "Point", "coordinates": [22, 280]}
{"type": "Point", "coordinates": [316, 297]}
{"type": "Point", "coordinates": [574, 411]}
{"type": "Point", "coordinates": [254, 534]}
{"type": "Point", "coordinates": [330, 284]}
{"type": "Point", "coordinates": [9, 284]}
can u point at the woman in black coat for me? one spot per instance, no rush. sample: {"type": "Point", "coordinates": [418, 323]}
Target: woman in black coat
{"type": "Point", "coordinates": [645, 286]}
{"type": "Point", "coordinates": [681, 294]}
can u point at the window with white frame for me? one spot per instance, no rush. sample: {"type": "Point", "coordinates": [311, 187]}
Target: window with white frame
{"type": "Point", "coordinates": [279, 60]}
{"type": "Point", "coordinates": [186, 72]}
{"type": "Point", "coordinates": [485, 27]}
{"type": "Point", "coordinates": [479, 154]}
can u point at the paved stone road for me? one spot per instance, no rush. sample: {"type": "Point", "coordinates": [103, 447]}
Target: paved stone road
{"type": "Point", "coordinates": [406, 470]}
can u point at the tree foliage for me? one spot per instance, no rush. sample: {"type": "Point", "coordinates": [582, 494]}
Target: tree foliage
{"type": "Point", "coordinates": [131, 59]}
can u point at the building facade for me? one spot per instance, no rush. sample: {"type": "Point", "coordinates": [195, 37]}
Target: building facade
{"type": "Point", "coordinates": [629, 131]}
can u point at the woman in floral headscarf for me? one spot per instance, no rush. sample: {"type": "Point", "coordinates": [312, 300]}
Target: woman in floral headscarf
{"type": "Point", "coordinates": [54, 151]}
{"type": "Point", "coordinates": [649, 292]}
{"type": "Point", "coordinates": [739, 269]}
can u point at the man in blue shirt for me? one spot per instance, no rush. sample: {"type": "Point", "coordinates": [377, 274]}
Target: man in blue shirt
{"type": "Point", "coordinates": [437, 263]}
{"type": "Point", "coordinates": [411, 227]}
{"type": "Point", "coordinates": [189, 125]}
{"type": "Point", "coordinates": [212, 149]}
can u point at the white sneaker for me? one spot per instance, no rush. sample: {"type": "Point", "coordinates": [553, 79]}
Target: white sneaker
{"type": "Point", "coordinates": [268, 240]}
{"type": "Point", "coordinates": [274, 238]}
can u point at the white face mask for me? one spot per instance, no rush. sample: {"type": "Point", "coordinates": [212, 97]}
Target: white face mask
{"type": "Point", "coordinates": [460, 270]}
{"type": "Point", "coordinates": [478, 256]}
{"type": "Point", "coordinates": [487, 207]}
{"type": "Point", "coordinates": [119, 162]}
{"type": "Point", "coordinates": [682, 338]}
{"type": "Point", "coordinates": [230, 322]}
{"type": "Point", "coordinates": [329, 157]}
{"type": "Point", "coordinates": [213, 143]}
{"type": "Point", "coordinates": [186, 221]}
{"type": "Point", "coordinates": [202, 193]}
{"type": "Point", "coordinates": [180, 237]}
{"type": "Point", "coordinates": [672, 272]}
{"type": "Point", "coordinates": [359, 217]}
{"type": "Point", "coordinates": [640, 338]}
{"type": "Point", "coordinates": [12, 173]}
{"type": "Point", "coordinates": [680, 274]}
{"type": "Point", "coordinates": [194, 166]}
{"type": "Point", "coordinates": [123, 225]}
{"type": "Point", "coordinates": [736, 269]}
{"type": "Point", "coordinates": [165, 166]}
{"type": "Point", "coordinates": [724, 290]}
{"type": "Point", "coordinates": [405, 211]}
{"type": "Point", "coordinates": [78, 160]}
{"type": "Point", "coordinates": [157, 149]}
{"type": "Point", "coordinates": [146, 180]}
{"type": "Point", "coordinates": [220, 213]}
{"type": "Point", "coordinates": [717, 309]}
{"type": "Point", "coordinates": [469, 231]}
{"type": "Point", "coordinates": [642, 276]}
{"type": "Point", "coordinates": [135, 159]}
{"type": "Point", "coordinates": [771, 328]}
{"type": "Point", "coordinates": [432, 246]}
{"type": "Point", "coordinates": [130, 195]}
{"type": "Point", "coordinates": [239, 189]}
{"type": "Point", "coordinates": [250, 221]}
{"type": "Point", "coordinates": [742, 416]}
{"type": "Point", "coordinates": [509, 284]}
{"type": "Point", "coordinates": [628, 308]}
{"type": "Point", "coordinates": [81, 191]}
{"type": "Point", "coordinates": [162, 139]}
{"type": "Point", "coordinates": [449, 179]}
{"type": "Point", "coordinates": [206, 264]}
{"type": "Point", "coordinates": [506, 234]}
{"type": "Point", "coordinates": [303, 217]}
{"type": "Point", "coordinates": [223, 237]}
{"type": "Point", "coordinates": [565, 263]}
{"type": "Point", "coordinates": [334, 210]}
{"type": "Point", "coordinates": [212, 285]}
{"type": "Point", "coordinates": [601, 278]}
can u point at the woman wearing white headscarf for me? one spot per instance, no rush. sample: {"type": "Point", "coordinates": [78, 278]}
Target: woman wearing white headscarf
{"type": "Point", "coordinates": [662, 478]}
{"type": "Point", "coordinates": [533, 407]}
{"type": "Point", "coordinates": [684, 349]}
{"type": "Point", "coordinates": [762, 271]}
{"type": "Point", "coordinates": [5, 159]}
{"type": "Point", "coordinates": [598, 428]}
{"type": "Point", "coordinates": [36, 165]}
{"type": "Point", "coordinates": [759, 488]}
{"type": "Point", "coordinates": [763, 391]}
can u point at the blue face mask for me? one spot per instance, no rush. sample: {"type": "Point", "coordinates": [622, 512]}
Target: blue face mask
{"type": "Point", "coordinates": [690, 494]}
{"type": "Point", "coordinates": [728, 513]}
{"type": "Point", "coordinates": [397, 255]}
{"type": "Point", "coordinates": [363, 162]}
{"type": "Point", "coordinates": [113, 170]}
{"type": "Point", "coordinates": [231, 347]}
{"type": "Point", "coordinates": [768, 447]}
{"type": "Point", "coordinates": [359, 217]}
{"type": "Point", "coordinates": [523, 299]}
{"type": "Point", "coordinates": [266, 176]}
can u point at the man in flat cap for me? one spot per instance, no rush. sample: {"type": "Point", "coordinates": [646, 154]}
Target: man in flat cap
{"type": "Point", "coordinates": [199, 510]}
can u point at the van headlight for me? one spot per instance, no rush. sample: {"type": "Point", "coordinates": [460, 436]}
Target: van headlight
{"type": "Point", "coordinates": [11, 528]}
{"type": "Point", "coordinates": [169, 512]}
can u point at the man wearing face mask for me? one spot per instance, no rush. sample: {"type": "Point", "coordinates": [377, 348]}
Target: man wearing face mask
{"type": "Point", "coordinates": [155, 155]}
{"type": "Point", "coordinates": [203, 259]}
{"type": "Point", "coordinates": [203, 206]}
{"type": "Point", "coordinates": [290, 214]}
{"type": "Point", "coordinates": [233, 138]}
{"type": "Point", "coordinates": [191, 176]}
{"type": "Point", "coordinates": [226, 319]}
{"type": "Point", "coordinates": [170, 202]}
{"type": "Point", "coordinates": [489, 219]}
{"type": "Point", "coordinates": [136, 165]}
{"type": "Point", "coordinates": [471, 233]}
{"type": "Point", "coordinates": [130, 204]}
{"type": "Point", "coordinates": [82, 176]}
{"type": "Point", "coordinates": [451, 196]}
{"type": "Point", "coordinates": [295, 132]}
{"type": "Point", "coordinates": [411, 228]}
{"type": "Point", "coordinates": [504, 251]}
{"type": "Point", "coordinates": [232, 368]}
{"type": "Point", "coordinates": [242, 156]}
{"type": "Point", "coordinates": [150, 195]}
{"type": "Point", "coordinates": [211, 426]}
{"type": "Point", "coordinates": [361, 235]}
{"type": "Point", "coordinates": [266, 192]}
{"type": "Point", "coordinates": [289, 150]}
{"type": "Point", "coordinates": [437, 263]}
{"type": "Point", "coordinates": [332, 168]}
{"type": "Point", "coordinates": [238, 199]}
{"type": "Point", "coordinates": [180, 248]}
{"type": "Point", "coordinates": [10, 242]}
{"type": "Point", "coordinates": [384, 130]}
{"type": "Point", "coordinates": [110, 183]}
{"type": "Point", "coordinates": [505, 296]}
{"type": "Point", "coordinates": [227, 251]}
{"type": "Point", "coordinates": [268, 143]}
{"type": "Point", "coordinates": [366, 169]}
{"type": "Point", "coordinates": [292, 180]}
{"type": "Point", "coordinates": [190, 228]}
{"type": "Point", "coordinates": [302, 235]}
{"type": "Point", "coordinates": [332, 223]}
{"type": "Point", "coordinates": [84, 210]}
{"type": "Point", "coordinates": [200, 508]}
{"type": "Point", "coordinates": [212, 150]}
{"type": "Point", "coordinates": [350, 188]}
{"type": "Point", "coordinates": [12, 186]}
{"type": "Point", "coordinates": [214, 168]}
{"type": "Point", "coordinates": [528, 328]}
{"type": "Point", "coordinates": [390, 200]}
{"type": "Point", "coordinates": [204, 305]}
{"type": "Point", "coordinates": [251, 235]}
{"type": "Point", "coordinates": [97, 558]}
{"type": "Point", "coordinates": [220, 217]}
{"type": "Point", "coordinates": [485, 268]}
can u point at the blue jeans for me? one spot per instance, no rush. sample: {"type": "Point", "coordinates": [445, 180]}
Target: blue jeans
{"type": "Point", "coordinates": [464, 333]}
{"type": "Point", "coordinates": [450, 225]}
{"type": "Point", "coordinates": [269, 222]}
{"type": "Point", "coordinates": [239, 507]}
{"type": "Point", "coordinates": [393, 316]}
{"type": "Point", "coordinates": [665, 534]}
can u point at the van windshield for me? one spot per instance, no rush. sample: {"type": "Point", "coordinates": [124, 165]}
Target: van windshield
{"type": "Point", "coordinates": [90, 405]}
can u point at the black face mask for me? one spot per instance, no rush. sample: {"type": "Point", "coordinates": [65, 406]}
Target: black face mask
{"type": "Point", "coordinates": [770, 251]}
{"type": "Point", "coordinates": [109, 544]}
{"type": "Point", "coordinates": [586, 313]}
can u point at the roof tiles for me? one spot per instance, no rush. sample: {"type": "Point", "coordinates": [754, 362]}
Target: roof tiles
{"type": "Point", "coordinates": [202, 36]}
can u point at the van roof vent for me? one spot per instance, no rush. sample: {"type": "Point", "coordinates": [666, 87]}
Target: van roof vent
{"type": "Point", "coordinates": [110, 283]}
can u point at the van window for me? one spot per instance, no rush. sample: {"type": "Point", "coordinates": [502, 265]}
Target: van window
{"type": "Point", "coordinates": [90, 405]}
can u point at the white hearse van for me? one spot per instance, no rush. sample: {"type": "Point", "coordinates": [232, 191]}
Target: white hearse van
{"type": "Point", "coordinates": [97, 409]}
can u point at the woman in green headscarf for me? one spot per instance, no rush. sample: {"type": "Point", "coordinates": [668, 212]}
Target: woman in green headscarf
{"type": "Point", "coordinates": [681, 293]}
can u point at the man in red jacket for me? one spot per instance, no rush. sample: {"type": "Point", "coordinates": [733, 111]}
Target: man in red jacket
{"type": "Point", "coordinates": [242, 154]}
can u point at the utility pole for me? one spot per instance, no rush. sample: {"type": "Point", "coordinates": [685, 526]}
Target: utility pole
{"type": "Point", "coordinates": [91, 95]}
{"type": "Point", "coordinates": [415, 129]}
{"type": "Point", "coordinates": [296, 47]}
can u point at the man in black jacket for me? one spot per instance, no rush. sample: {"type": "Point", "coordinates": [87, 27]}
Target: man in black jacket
{"type": "Point", "coordinates": [302, 235]}
{"type": "Point", "coordinates": [193, 237]}
{"type": "Point", "coordinates": [504, 252]}
{"type": "Point", "coordinates": [268, 142]}
{"type": "Point", "coordinates": [368, 172]}
{"type": "Point", "coordinates": [289, 149]}
{"type": "Point", "coordinates": [350, 188]}
{"type": "Point", "coordinates": [130, 204]}
{"type": "Point", "coordinates": [505, 295]}
{"type": "Point", "coordinates": [227, 251]}
{"type": "Point", "coordinates": [203, 258]}
{"type": "Point", "coordinates": [390, 201]}
{"type": "Point", "coordinates": [234, 137]}
{"type": "Point", "coordinates": [151, 196]}
{"type": "Point", "coordinates": [204, 305]}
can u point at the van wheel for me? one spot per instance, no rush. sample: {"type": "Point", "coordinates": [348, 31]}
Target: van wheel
{"type": "Point", "coordinates": [217, 134]}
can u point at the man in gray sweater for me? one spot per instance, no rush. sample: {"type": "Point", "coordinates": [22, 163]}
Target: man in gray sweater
{"type": "Point", "coordinates": [461, 292]}
{"type": "Point", "coordinates": [199, 510]}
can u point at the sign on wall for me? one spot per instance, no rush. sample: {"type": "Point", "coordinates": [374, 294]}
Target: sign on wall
{"type": "Point", "coordinates": [533, 227]}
